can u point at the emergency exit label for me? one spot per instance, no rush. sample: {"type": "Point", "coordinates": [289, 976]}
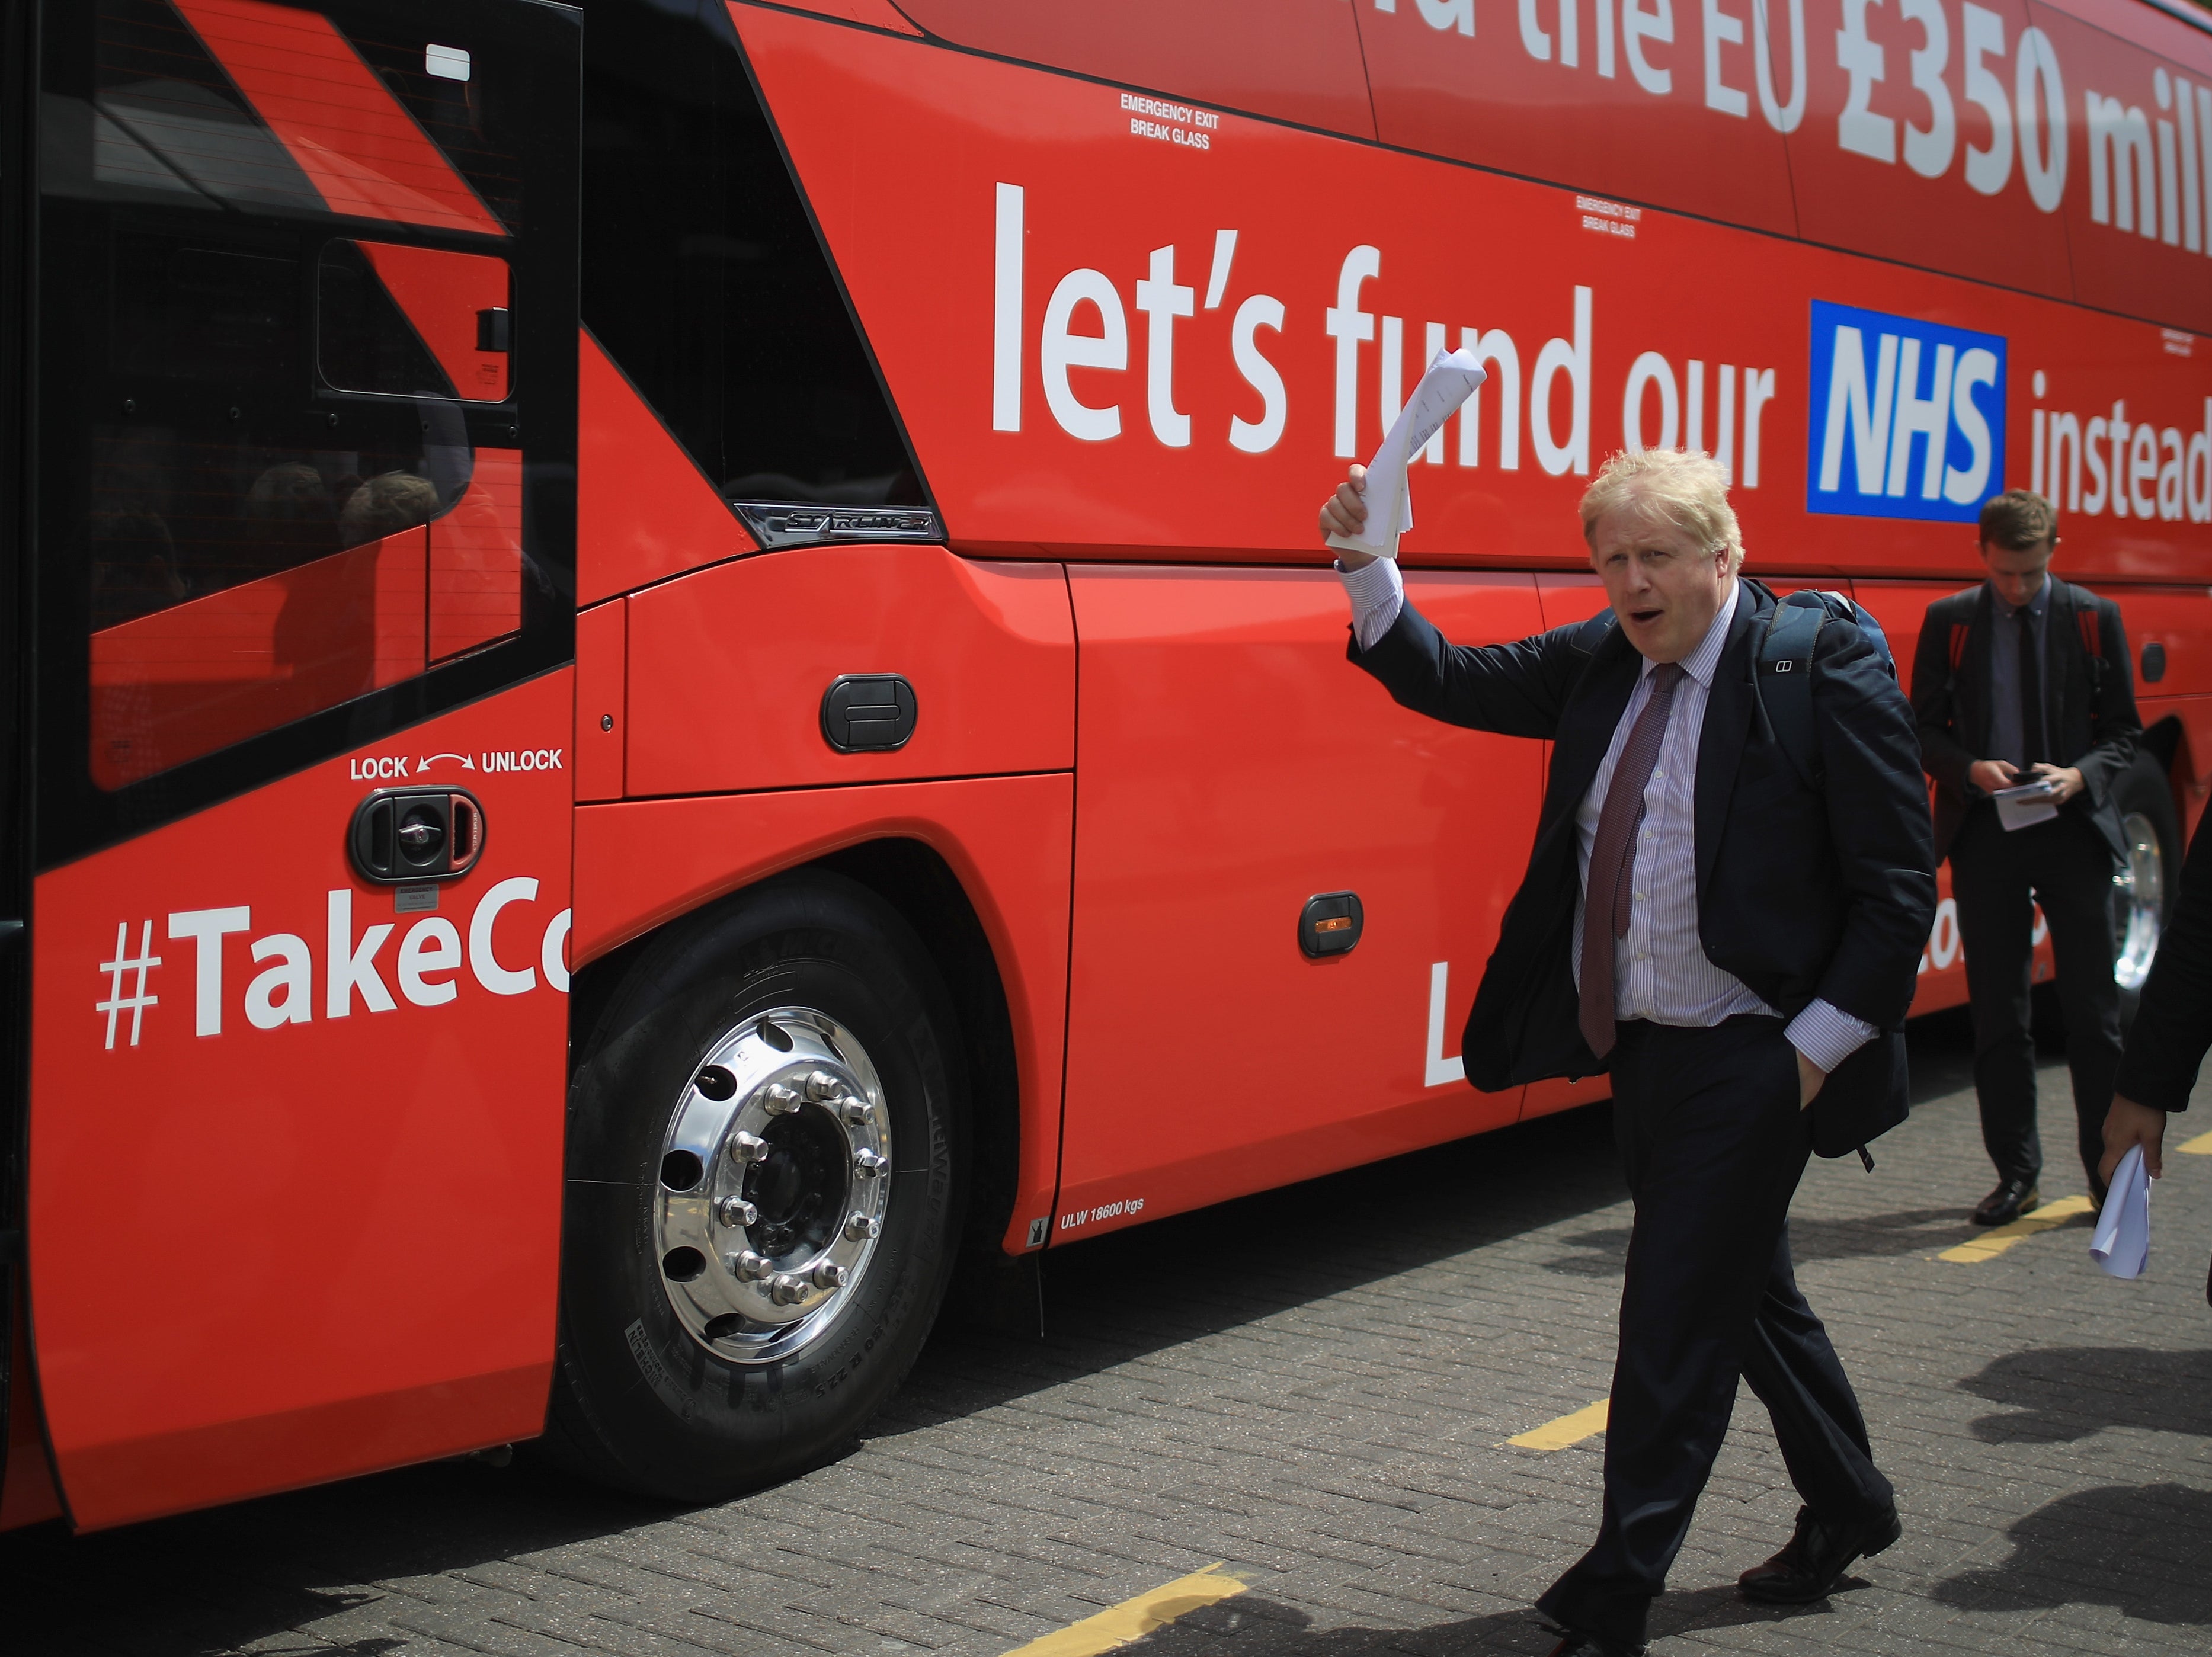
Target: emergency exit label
{"type": "Point", "coordinates": [1169, 123]}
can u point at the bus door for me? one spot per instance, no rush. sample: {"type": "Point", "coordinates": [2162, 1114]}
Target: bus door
{"type": "Point", "coordinates": [303, 415]}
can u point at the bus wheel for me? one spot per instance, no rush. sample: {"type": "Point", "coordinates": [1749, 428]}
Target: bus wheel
{"type": "Point", "coordinates": [765, 1149]}
{"type": "Point", "coordinates": [2143, 888]}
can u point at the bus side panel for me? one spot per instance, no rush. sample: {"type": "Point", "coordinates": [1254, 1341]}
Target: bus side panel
{"type": "Point", "coordinates": [602, 705]}
{"type": "Point", "coordinates": [1070, 382]}
{"type": "Point", "coordinates": [644, 510]}
{"type": "Point", "coordinates": [1231, 767]}
{"type": "Point", "coordinates": [295, 1152]}
{"type": "Point", "coordinates": [642, 862]}
{"type": "Point", "coordinates": [989, 649]}
{"type": "Point", "coordinates": [1494, 101]}
{"type": "Point", "coordinates": [2148, 26]}
{"type": "Point", "coordinates": [2178, 620]}
{"type": "Point", "coordinates": [2135, 260]}
{"type": "Point", "coordinates": [876, 13]}
{"type": "Point", "coordinates": [1848, 198]}
{"type": "Point", "coordinates": [1298, 60]}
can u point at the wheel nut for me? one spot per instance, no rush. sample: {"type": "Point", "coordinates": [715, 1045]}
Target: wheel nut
{"type": "Point", "coordinates": [736, 1211]}
{"type": "Point", "coordinates": [821, 1084]}
{"type": "Point", "coordinates": [852, 1110]}
{"type": "Point", "coordinates": [862, 1225]}
{"type": "Point", "coordinates": [748, 1148]}
{"type": "Point", "coordinates": [749, 1267]}
{"type": "Point", "coordinates": [786, 1291]}
{"type": "Point", "coordinates": [867, 1164]}
{"type": "Point", "coordinates": [778, 1099]}
{"type": "Point", "coordinates": [828, 1275]}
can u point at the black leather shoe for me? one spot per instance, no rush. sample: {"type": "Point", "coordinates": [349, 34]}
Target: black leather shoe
{"type": "Point", "coordinates": [2007, 1202]}
{"type": "Point", "coordinates": [1575, 1643]}
{"type": "Point", "coordinates": [1816, 1559]}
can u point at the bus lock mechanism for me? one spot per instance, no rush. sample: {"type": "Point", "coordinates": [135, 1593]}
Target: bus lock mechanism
{"type": "Point", "coordinates": [402, 835]}
{"type": "Point", "coordinates": [868, 712]}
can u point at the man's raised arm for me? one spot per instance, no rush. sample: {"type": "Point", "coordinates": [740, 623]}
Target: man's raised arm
{"type": "Point", "coordinates": [1516, 689]}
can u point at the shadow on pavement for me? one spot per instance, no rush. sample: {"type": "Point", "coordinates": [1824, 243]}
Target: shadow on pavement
{"type": "Point", "coordinates": [2062, 1394]}
{"type": "Point", "coordinates": [2139, 1548]}
{"type": "Point", "coordinates": [1252, 1625]}
{"type": "Point", "coordinates": [1940, 1049]}
{"type": "Point", "coordinates": [1908, 1231]}
{"type": "Point", "coordinates": [1120, 1296]}
{"type": "Point", "coordinates": [232, 1577]}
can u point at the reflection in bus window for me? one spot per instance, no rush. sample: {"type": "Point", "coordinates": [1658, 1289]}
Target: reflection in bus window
{"type": "Point", "coordinates": [408, 320]}
{"type": "Point", "coordinates": [134, 564]}
{"type": "Point", "coordinates": [281, 480]}
{"type": "Point", "coordinates": [387, 504]}
{"type": "Point", "coordinates": [256, 555]}
{"type": "Point", "coordinates": [363, 341]}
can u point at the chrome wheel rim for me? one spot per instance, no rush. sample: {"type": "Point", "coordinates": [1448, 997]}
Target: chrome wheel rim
{"type": "Point", "coordinates": [774, 1178]}
{"type": "Point", "coordinates": [2138, 901]}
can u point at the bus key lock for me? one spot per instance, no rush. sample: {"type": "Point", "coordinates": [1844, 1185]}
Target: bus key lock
{"type": "Point", "coordinates": [402, 835]}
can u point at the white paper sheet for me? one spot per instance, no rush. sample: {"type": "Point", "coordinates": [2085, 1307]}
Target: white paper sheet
{"type": "Point", "coordinates": [2025, 806]}
{"type": "Point", "coordinates": [2121, 1242]}
{"type": "Point", "coordinates": [1449, 381]}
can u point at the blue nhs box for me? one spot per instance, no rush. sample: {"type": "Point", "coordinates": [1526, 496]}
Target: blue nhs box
{"type": "Point", "coordinates": [1905, 419]}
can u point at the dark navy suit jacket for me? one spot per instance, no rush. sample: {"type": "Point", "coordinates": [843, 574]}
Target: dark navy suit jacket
{"type": "Point", "coordinates": [1803, 891]}
{"type": "Point", "coordinates": [2088, 703]}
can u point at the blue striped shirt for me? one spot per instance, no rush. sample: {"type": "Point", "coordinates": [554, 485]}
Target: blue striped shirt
{"type": "Point", "coordinates": [1661, 972]}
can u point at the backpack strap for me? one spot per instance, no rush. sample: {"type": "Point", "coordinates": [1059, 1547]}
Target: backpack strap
{"type": "Point", "coordinates": [2087, 622]}
{"type": "Point", "coordinates": [1785, 679]}
{"type": "Point", "coordinates": [1591, 633]}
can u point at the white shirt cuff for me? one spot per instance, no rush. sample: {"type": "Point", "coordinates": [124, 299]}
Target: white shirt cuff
{"type": "Point", "coordinates": [1378, 594]}
{"type": "Point", "coordinates": [1828, 1035]}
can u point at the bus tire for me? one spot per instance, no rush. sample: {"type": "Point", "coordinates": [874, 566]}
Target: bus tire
{"type": "Point", "coordinates": [2143, 890]}
{"type": "Point", "coordinates": [681, 1371]}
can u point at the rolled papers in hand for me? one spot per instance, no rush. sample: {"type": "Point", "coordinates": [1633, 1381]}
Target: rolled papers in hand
{"type": "Point", "coordinates": [2121, 1242]}
{"type": "Point", "coordinates": [1450, 380]}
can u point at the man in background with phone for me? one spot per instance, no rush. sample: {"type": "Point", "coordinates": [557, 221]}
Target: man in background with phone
{"type": "Point", "coordinates": [2025, 682]}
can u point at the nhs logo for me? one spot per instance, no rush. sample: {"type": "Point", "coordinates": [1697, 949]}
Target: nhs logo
{"type": "Point", "coordinates": [1906, 418]}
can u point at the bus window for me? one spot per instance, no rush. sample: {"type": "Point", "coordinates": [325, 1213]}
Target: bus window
{"type": "Point", "coordinates": [253, 558]}
{"type": "Point", "coordinates": [704, 280]}
{"type": "Point", "coordinates": [281, 459]}
{"type": "Point", "coordinates": [445, 93]}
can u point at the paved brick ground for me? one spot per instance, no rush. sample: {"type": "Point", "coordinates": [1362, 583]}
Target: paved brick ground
{"type": "Point", "coordinates": [1316, 1386]}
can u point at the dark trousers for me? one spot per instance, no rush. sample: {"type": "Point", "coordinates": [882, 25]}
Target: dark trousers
{"type": "Point", "coordinates": [2068, 868]}
{"type": "Point", "coordinates": [1714, 1143]}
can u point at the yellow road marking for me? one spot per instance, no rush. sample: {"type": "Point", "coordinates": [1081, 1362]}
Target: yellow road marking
{"type": "Point", "coordinates": [1994, 1242]}
{"type": "Point", "coordinates": [2200, 1146]}
{"type": "Point", "coordinates": [1585, 1422]}
{"type": "Point", "coordinates": [1132, 1619]}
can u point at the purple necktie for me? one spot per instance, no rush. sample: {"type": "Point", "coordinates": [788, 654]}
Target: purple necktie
{"type": "Point", "coordinates": [1606, 902]}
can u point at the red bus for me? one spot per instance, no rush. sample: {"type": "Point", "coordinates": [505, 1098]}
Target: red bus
{"type": "Point", "coordinates": [670, 670]}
